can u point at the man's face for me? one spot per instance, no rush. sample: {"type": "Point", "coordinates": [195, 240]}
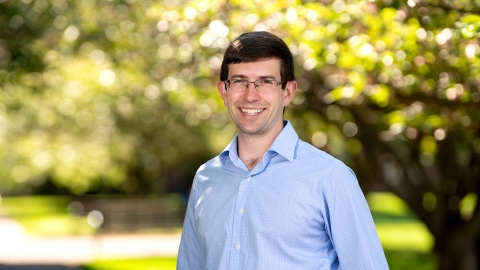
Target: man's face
{"type": "Point", "coordinates": [254, 113]}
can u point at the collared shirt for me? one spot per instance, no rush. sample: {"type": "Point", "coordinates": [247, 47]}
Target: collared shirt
{"type": "Point", "coordinates": [299, 208]}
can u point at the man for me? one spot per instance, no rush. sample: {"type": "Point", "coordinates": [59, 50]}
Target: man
{"type": "Point", "coordinates": [270, 200]}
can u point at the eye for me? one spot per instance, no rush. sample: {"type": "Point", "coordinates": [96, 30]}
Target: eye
{"type": "Point", "coordinates": [238, 81]}
{"type": "Point", "coordinates": [265, 82]}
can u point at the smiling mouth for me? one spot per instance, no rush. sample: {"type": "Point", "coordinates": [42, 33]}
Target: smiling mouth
{"type": "Point", "coordinates": [251, 111]}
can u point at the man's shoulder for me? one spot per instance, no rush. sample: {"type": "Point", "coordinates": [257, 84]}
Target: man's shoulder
{"type": "Point", "coordinates": [317, 162]}
{"type": "Point", "coordinates": [308, 152]}
{"type": "Point", "coordinates": [214, 163]}
{"type": "Point", "coordinates": [211, 173]}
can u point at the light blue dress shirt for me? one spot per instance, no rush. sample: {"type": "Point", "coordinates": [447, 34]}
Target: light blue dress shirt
{"type": "Point", "coordinates": [299, 208]}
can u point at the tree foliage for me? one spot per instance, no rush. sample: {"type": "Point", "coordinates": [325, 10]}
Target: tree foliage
{"type": "Point", "coordinates": [121, 95]}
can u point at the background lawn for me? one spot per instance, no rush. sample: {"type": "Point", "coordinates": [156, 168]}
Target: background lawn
{"type": "Point", "coordinates": [137, 264]}
{"type": "Point", "coordinates": [45, 215]}
{"type": "Point", "coordinates": [406, 241]}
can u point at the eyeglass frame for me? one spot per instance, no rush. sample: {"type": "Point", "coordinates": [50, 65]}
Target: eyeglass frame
{"type": "Point", "coordinates": [254, 84]}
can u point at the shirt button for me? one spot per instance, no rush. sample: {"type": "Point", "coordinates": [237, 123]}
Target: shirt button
{"type": "Point", "coordinates": [237, 246]}
{"type": "Point", "coordinates": [248, 178]}
{"type": "Point", "coordinates": [241, 211]}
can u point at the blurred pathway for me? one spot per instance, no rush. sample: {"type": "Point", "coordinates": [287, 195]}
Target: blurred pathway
{"type": "Point", "coordinates": [18, 248]}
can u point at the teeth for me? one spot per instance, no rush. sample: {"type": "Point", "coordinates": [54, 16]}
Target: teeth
{"type": "Point", "coordinates": [251, 111]}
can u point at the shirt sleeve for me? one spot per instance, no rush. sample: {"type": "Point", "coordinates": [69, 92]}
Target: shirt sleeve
{"type": "Point", "coordinates": [191, 254]}
{"type": "Point", "coordinates": [349, 222]}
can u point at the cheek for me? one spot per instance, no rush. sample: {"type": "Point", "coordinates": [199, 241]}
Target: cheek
{"type": "Point", "coordinates": [225, 100]}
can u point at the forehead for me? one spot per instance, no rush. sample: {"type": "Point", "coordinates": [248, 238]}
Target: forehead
{"type": "Point", "coordinates": [270, 67]}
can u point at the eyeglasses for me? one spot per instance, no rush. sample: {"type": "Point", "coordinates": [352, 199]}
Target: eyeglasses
{"type": "Point", "coordinates": [261, 85]}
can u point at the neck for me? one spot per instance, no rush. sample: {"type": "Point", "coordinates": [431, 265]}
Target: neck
{"type": "Point", "coordinates": [252, 148]}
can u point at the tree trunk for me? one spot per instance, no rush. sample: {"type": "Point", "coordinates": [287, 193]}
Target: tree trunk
{"type": "Point", "coordinates": [452, 257]}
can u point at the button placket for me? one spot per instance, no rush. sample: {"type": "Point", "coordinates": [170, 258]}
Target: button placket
{"type": "Point", "coordinates": [238, 217]}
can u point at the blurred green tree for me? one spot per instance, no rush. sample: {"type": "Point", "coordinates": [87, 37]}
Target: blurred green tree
{"type": "Point", "coordinates": [99, 95]}
{"type": "Point", "coordinates": [103, 95]}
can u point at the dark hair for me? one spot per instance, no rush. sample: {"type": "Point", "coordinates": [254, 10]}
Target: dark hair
{"type": "Point", "coordinates": [258, 46]}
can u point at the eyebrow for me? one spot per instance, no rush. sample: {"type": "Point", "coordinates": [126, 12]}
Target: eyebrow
{"type": "Point", "coordinates": [239, 76]}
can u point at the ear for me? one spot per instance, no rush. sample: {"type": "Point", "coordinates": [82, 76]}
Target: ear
{"type": "Point", "coordinates": [288, 92]}
{"type": "Point", "coordinates": [223, 91]}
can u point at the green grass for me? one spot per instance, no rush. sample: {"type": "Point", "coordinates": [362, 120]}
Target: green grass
{"type": "Point", "coordinates": [397, 227]}
{"type": "Point", "coordinates": [137, 264]}
{"type": "Point", "coordinates": [406, 241]}
{"type": "Point", "coordinates": [408, 259]}
{"type": "Point", "coordinates": [45, 215]}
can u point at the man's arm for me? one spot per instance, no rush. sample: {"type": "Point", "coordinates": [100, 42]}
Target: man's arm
{"type": "Point", "coordinates": [350, 224]}
{"type": "Point", "coordinates": [191, 254]}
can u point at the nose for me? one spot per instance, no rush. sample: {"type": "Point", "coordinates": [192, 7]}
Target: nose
{"type": "Point", "coordinates": [254, 85]}
{"type": "Point", "coordinates": [251, 93]}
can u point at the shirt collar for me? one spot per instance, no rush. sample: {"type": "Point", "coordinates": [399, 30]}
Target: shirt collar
{"type": "Point", "coordinates": [284, 145]}
{"type": "Point", "coordinates": [286, 142]}
{"type": "Point", "coordinates": [230, 151]}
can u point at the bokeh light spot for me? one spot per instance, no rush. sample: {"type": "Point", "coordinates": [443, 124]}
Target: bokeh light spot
{"type": "Point", "coordinates": [75, 209]}
{"type": "Point", "coordinates": [429, 201]}
{"type": "Point", "coordinates": [319, 139]}
{"type": "Point", "coordinates": [20, 173]}
{"type": "Point", "coordinates": [350, 129]}
{"type": "Point", "coordinates": [439, 134]}
{"type": "Point", "coordinates": [465, 120]}
{"type": "Point", "coordinates": [191, 118]}
{"type": "Point", "coordinates": [387, 60]}
{"type": "Point", "coordinates": [334, 112]}
{"type": "Point", "coordinates": [252, 19]}
{"type": "Point", "coordinates": [98, 57]}
{"type": "Point", "coordinates": [66, 154]}
{"type": "Point", "coordinates": [71, 33]}
{"type": "Point", "coordinates": [471, 50]}
{"type": "Point", "coordinates": [112, 33]}
{"type": "Point", "coordinates": [66, 106]}
{"type": "Point", "coordinates": [152, 92]}
{"type": "Point", "coordinates": [16, 22]}
{"type": "Point", "coordinates": [42, 160]}
{"type": "Point", "coordinates": [421, 34]}
{"type": "Point", "coordinates": [95, 218]}
{"type": "Point", "coordinates": [165, 52]}
{"type": "Point", "coordinates": [427, 159]}
{"type": "Point", "coordinates": [107, 77]}
{"type": "Point", "coordinates": [124, 106]}
{"type": "Point", "coordinates": [74, 89]}
{"type": "Point", "coordinates": [162, 26]}
{"type": "Point", "coordinates": [331, 58]}
{"type": "Point", "coordinates": [190, 13]}
{"type": "Point", "coordinates": [365, 50]}
{"type": "Point", "coordinates": [204, 111]}
{"type": "Point", "coordinates": [170, 83]}
{"type": "Point", "coordinates": [205, 40]}
{"type": "Point", "coordinates": [291, 16]}
{"type": "Point", "coordinates": [310, 64]}
{"type": "Point", "coordinates": [217, 27]}
{"type": "Point", "coordinates": [60, 22]}
{"type": "Point", "coordinates": [339, 6]}
{"type": "Point", "coordinates": [354, 146]}
{"type": "Point", "coordinates": [466, 205]}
